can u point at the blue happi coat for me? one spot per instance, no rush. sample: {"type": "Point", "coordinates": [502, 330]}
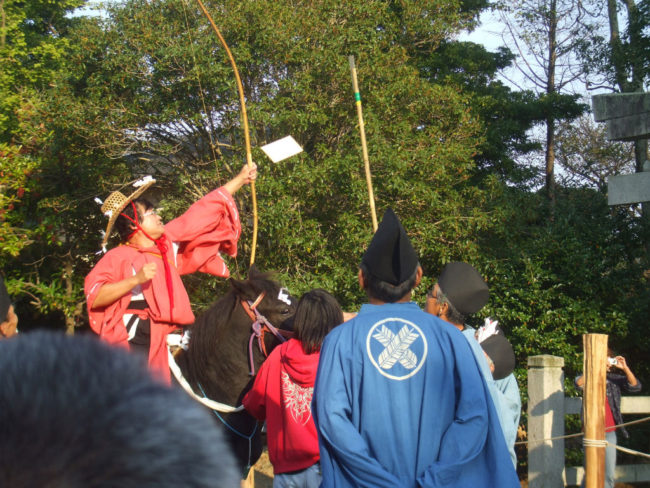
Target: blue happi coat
{"type": "Point", "coordinates": [399, 401]}
{"type": "Point", "coordinates": [504, 394]}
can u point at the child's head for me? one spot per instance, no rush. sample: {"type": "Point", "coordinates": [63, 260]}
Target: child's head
{"type": "Point", "coordinates": [317, 313]}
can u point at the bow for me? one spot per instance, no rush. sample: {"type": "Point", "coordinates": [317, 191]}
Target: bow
{"type": "Point", "coordinates": [244, 116]}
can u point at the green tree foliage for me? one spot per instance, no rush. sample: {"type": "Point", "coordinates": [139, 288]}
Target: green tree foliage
{"type": "Point", "coordinates": [588, 157]}
{"type": "Point", "coordinates": [507, 115]}
{"type": "Point", "coordinates": [33, 51]}
{"type": "Point", "coordinates": [33, 43]}
{"type": "Point", "coordinates": [161, 78]}
{"type": "Point", "coordinates": [554, 281]}
{"type": "Point", "coordinates": [32, 46]}
{"type": "Point", "coordinates": [616, 56]}
{"type": "Point", "coordinates": [546, 36]}
{"type": "Point", "coordinates": [147, 89]}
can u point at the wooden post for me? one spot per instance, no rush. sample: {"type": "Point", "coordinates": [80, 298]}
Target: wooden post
{"type": "Point", "coordinates": [595, 370]}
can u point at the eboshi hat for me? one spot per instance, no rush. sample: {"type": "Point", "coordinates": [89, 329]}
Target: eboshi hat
{"type": "Point", "coordinates": [390, 256]}
{"type": "Point", "coordinates": [464, 287]}
{"type": "Point", "coordinates": [501, 353]}
{"type": "Point", "coordinates": [116, 202]}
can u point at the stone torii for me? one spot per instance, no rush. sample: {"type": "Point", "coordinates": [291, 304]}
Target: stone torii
{"type": "Point", "coordinates": [627, 117]}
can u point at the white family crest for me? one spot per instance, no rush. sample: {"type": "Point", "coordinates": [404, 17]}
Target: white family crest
{"type": "Point", "coordinates": [283, 296]}
{"type": "Point", "coordinates": [396, 347]}
{"type": "Point", "coordinates": [297, 399]}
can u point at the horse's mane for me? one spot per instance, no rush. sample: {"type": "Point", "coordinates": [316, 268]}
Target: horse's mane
{"type": "Point", "coordinates": [211, 327]}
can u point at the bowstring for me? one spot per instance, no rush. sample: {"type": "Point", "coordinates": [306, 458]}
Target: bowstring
{"type": "Point", "coordinates": [198, 80]}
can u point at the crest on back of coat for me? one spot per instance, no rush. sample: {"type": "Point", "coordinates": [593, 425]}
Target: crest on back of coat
{"type": "Point", "coordinates": [397, 348]}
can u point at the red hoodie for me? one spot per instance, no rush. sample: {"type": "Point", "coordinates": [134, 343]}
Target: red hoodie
{"type": "Point", "coordinates": [281, 395]}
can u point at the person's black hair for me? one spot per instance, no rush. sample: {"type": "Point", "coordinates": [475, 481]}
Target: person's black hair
{"type": "Point", "coordinates": [384, 291]}
{"type": "Point", "coordinates": [124, 226]}
{"type": "Point", "coordinates": [453, 315]}
{"type": "Point", "coordinates": [317, 313]}
{"type": "Point", "coordinates": [77, 412]}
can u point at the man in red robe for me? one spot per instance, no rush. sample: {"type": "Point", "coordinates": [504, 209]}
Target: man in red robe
{"type": "Point", "coordinates": [135, 295]}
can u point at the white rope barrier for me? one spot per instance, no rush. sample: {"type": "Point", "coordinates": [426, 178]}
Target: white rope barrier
{"type": "Point", "coordinates": [534, 441]}
{"type": "Point", "coordinates": [635, 453]}
{"type": "Point", "coordinates": [585, 441]}
{"type": "Point", "coordinates": [594, 442]}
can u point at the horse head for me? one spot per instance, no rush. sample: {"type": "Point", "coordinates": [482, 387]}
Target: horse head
{"type": "Point", "coordinates": [228, 342]}
{"type": "Point", "coordinates": [261, 295]}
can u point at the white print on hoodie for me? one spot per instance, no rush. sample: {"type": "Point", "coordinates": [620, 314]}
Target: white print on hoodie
{"type": "Point", "coordinates": [297, 399]}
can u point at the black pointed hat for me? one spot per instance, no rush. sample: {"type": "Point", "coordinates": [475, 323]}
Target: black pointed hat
{"type": "Point", "coordinates": [464, 287]}
{"type": "Point", "coordinates": [390, 256]}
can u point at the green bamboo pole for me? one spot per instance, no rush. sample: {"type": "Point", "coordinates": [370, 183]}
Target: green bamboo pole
{"type": "Point", "coordinates": [364, 146]}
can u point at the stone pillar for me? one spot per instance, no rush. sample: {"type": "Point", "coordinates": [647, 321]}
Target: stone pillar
{"type": "Point", "coordinates": [545, 420]}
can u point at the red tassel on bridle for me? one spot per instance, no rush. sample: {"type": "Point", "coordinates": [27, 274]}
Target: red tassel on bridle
{"type": "Point", "coordinates": [162, 246]}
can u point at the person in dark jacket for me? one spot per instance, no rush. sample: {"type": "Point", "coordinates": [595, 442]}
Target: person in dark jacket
{"type": "Point", "coordinates": [620, 378]}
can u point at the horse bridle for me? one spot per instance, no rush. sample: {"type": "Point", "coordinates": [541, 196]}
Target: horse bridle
{"type": "Point", "coordinates": [260, 327]}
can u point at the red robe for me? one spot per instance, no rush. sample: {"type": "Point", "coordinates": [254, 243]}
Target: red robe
{"type": "Point", "coordinates": [208, 227]}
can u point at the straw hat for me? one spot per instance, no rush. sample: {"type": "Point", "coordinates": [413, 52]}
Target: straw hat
{"type": "Point", "coordinates": [117, 202]}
